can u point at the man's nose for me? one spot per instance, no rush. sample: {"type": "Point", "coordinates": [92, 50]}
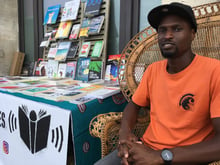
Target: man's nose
{"type": "Point", "coordinates": [169, 34]}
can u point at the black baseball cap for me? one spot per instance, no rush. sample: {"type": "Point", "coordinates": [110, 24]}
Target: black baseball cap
{"type": "Point", "coordinates": [158, 13]}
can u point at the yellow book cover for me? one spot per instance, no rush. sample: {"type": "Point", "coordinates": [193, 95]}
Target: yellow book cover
{"type": "Point", "coordinates": [63, 29]}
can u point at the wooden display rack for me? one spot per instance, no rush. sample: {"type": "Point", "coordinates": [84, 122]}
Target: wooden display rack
{"type": "Point", "coordinates": [103, 35]}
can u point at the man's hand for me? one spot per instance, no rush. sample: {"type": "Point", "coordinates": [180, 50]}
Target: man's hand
{"type": "Point", "coordinates": [140, 154]}
{"type": "Point", "coordinates": [122, 146]}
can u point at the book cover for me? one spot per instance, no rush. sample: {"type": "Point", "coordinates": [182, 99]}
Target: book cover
{"type": "Point", "coordinates": [112, 67]}
{"type": "Point", "coordinates": [45, 42]}
{"type": "Point", "coordinates": [52, 36]}
{"type": "Point", "coordinates": [70, 10]}
{"type": "Point", "coordinates": [93, 8]}
{"type": "Point", "coordinates": [43, 68]}
{"type": "Point", "coordinates": [74, 32]}
{"type": "Point", "coordinates": [95, 70]}
{"type": "Point", "coordinates": [63, 30]}
{"type": "Point", "coordinates": [52, 53]}
{"type": "Point", "coordinates": [97, 49]}
{"type": "Point", "coordinates": [82, 69]}
{"type": "Point", "coordinates": [52, 14]}
{"type": "Point", "coordinates": [96, 25]}
{"type": "Point", "coordinates": [85, 48]}
{"type": "Point", "coordinates": [84, 29]}
{"type": "Point", "coordinates": [73, 50]}
{"type": "Point", "coordinates": [71, 69]}
{"type": "Point", "coordinates": [61, 70]}
{"type": "Point", "coordinates": [62, 51]}
{"type": "Point", "coordinates": [52, 68]}
{"type": "Point", "coordinates": [104, 93]}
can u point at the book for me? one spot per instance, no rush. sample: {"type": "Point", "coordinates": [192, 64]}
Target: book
{"type": "Point", "coordinates": [93, 8]}
{"type": "Point", "coordinates": [85, 48]}
{"type": "Point", "coordinates": [74, 32]}
{"type": "Point", "coordinates": [111, 73]}
{"type": "Point", "coordinates": [95, 25]}
{"type": "Point", "coordinates": [71, 69]}
{"type": "Point", "coordinates": [52, 68]}
{"type": "Point", "coordinates": [104, 93]}
{"type": "Point", "coordinates": [97, 49]}
{"type": "Point", "coordinates": [62, 51]}
{"type": "Point", "coordinates": [43, 68]}
{"type": "Point", "coordinates": [84, 29]}
{"type": "Point", "coordinates": [82, 69]}
{"type": "Point", "coordinates": [61, 70]}
{"type": "Point", "coordinates": [73, 50]}
{"type": "Point", "coordinates": [95, 70]}
{"type": "Point", "coordinates": [63, 30]}
{"type": "Point", "coordinates": [45, 42]}
{"type": "Point", "coordinates": [52, 35]}
{"type": "Point", "coordinates": [51, 14]}
{"type": "Point", "coordinates": [70, 10]}
{"type": "Point", "coordinates": [52, 53]}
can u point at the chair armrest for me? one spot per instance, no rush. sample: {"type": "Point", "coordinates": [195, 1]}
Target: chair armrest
{"type": "Point", "coordinates": [99, 122]}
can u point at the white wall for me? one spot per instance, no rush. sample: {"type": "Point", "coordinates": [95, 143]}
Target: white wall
{"type": "Point", "coordinates": [191, 2]}
{"type": "Point", "coordinates": [8, 34]}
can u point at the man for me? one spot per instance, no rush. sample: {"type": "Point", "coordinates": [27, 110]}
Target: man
{"type": "Point", "coordinates": [183, 93]}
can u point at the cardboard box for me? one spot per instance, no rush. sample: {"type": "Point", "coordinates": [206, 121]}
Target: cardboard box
{"type": "Point", "coordinates": [17, 64]}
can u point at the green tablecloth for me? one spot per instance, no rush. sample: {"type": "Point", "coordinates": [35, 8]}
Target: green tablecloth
{"type": "Point", "coordinates": [87, 148]}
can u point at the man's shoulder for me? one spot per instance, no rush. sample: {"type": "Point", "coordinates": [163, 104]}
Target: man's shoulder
{"type": "Point", "coordinates": [209, 59]}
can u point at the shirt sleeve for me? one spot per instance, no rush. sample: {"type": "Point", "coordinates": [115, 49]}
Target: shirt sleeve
{"type": "Point", "coordinates": [141, 95]}
{"type": "Point", "coordinates": [215, 93]}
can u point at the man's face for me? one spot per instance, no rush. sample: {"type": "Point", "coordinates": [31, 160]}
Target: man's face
{"type": "Point", "coordinates": [175, 36]}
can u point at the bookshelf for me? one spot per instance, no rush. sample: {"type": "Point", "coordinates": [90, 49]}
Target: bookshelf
{"type": "Point", "coordinates": [102, 35]}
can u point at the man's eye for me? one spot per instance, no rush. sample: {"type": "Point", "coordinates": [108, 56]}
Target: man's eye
{"type": "Point", "coordinates": [177, 29]}
{"type": "Point", "coordinates": [161, 30]}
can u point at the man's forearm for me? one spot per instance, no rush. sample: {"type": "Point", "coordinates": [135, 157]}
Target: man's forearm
{"type": "Point", "coordinates": [129, 117]}
{"type": "Point", "coordinates": [207, 151]}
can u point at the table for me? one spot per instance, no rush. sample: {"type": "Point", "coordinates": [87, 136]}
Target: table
{"type": "Point", "coordinates": [55, 129]}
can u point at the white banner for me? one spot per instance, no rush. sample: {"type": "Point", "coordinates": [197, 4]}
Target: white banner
{"type": "Point", "coordinates": [32, 133]}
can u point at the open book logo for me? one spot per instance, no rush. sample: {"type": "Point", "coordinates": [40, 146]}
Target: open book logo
{"type": "Point", "coordinates": [34, 128]}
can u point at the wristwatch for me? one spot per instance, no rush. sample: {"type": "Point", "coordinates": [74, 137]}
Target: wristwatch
{"type": "Point", "coordinates": [167, 156]}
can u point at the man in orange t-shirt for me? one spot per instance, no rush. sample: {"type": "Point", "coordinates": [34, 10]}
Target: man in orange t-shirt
{"type": "Point", "coordinates": [183, 93]}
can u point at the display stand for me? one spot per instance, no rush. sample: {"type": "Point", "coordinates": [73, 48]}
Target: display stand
{"type": "Point", "coordinates": [102, 35]}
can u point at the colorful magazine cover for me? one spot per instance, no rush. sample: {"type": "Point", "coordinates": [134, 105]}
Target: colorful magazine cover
{"type": "Point", "coordinates": [85, 48]}
{"type": "Point", "coordinates": [111, 73]}
{"type": "Point", "coordinates": [95, 70]}
{"type": "Point", "coordinates": [84, 29]}
{"type": "Point", "coordinates": [52, 14]}
{"type": "Point", "coordinates": [82, 70]}
{"type": "Point", "coordinates": [62, 51]}
{"type": "Point", "coordinates": [72, 50]}
{"type": "Point", "coordinates": [93, 7]}
{"type": "Point", "coordinates": [61, 70]}
{"type": "Point", "coordinates": [74, 32]}
{"type": "Point", "coordinates": [71, 69]}
{"type": "Point", "coordinates": [96, 25]}
{"type": "Point", "coordinates": [70, 10]}
{"type": "Point", "coordinates": [97, 49]}
{"type": "Point", "coordinates": [63, 30]}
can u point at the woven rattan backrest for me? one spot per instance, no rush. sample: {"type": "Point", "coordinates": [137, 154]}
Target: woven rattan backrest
{"type": "Point", "coordinates": [143, 49]}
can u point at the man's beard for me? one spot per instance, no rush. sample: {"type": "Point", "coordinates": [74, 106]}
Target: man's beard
{"type": "Point", "coordinates": [168, 54]}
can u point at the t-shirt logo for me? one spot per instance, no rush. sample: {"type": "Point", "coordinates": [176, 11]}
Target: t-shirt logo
{"type": "Point", "coordinates": [186, 101]}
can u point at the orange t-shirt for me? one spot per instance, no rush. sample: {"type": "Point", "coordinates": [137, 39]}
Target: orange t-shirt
{"type": "Point", "coordinates": [181, 104]}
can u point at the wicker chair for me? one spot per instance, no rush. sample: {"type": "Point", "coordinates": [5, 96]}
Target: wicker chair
{"type": "Point", "coordinates": [143, 50]}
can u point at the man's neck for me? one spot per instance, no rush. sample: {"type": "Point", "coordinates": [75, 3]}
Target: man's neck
{"type": "Point", "coordinates": [175, 65]}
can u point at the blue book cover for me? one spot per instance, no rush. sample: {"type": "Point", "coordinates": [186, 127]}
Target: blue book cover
{"type": "Point", "coordinates": [82, 69]}
{"type": "Point", "coordinates": [93, 8]}
{"type": "Point", "coordinates": [52, 14]}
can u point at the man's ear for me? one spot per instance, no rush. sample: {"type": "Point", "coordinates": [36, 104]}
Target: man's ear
{"type": "Point", "coordinates": [193, 34]}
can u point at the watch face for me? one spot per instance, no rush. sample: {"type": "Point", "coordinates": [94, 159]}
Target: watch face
{"type": "Point", "coordinates": [167, 155]}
